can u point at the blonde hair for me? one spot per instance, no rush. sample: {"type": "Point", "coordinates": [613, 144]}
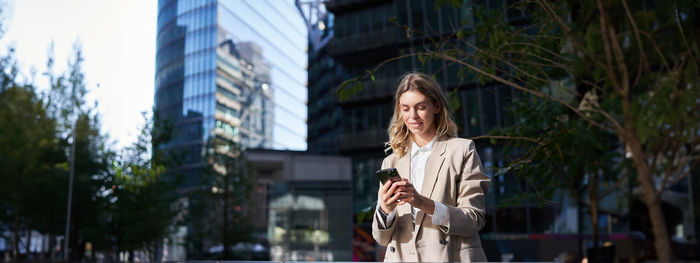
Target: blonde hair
{"type": "Point", "coordinates": [399, 135]}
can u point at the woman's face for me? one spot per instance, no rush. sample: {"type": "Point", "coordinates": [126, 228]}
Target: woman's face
{"type": "Point", "coordinates": [418, 113]}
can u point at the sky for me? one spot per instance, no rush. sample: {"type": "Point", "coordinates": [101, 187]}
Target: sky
{"type": "Point", "coordinates": [118, 40]}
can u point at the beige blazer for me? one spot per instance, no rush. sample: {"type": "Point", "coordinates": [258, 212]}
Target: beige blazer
{"type": "Point", "coordinates": [454, 176]}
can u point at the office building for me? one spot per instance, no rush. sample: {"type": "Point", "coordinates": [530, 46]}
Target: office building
{"type": "Point", "coordinates": [231, 67]}
{"type": "Point", "coordinates": [324, 74]}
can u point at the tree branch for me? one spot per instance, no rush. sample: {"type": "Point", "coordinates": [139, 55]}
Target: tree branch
{"type": "Point", "coordinates": [606, 46]}
{"type": "Point", "coordinates": [642, 54]}
{"type": "Point", "coordinates": [514, 85]}
{"type": "Point", "coordinates": [577, 44]}
{"type": "Point", "coordinates": [505, 138]}
{"type": "Point", "coordinates": [658, 50]}
{"type": "Point", "coordinates": [619, 57]}
{"type": "Point", "coordinates": [616, 185]}
{"type": "Point", "coordinates": [536, 46]}
{"type": "Point", "coordinates": [680, 28]}
{"type": "Point", "coordinates": [615, 123]}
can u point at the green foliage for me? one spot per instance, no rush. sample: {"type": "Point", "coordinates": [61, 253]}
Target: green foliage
{"type": "Point", "coordinates": [143, 198]}
{"type": "Point", "coordinates": [29, 158]}
{"type": "Point", "coordinates": [221, 209]}
{"type": "Point", "coordinates": [350, 87]}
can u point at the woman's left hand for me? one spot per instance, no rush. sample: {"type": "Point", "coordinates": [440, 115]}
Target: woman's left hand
{"type": "Point", "coordinates": [408, 194]}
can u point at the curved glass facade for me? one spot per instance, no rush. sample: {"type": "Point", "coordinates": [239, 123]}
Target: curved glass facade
{"type": "Point", "coordinates": [280, 32]}
{"type": "Point", "coordinates": [231, 67]}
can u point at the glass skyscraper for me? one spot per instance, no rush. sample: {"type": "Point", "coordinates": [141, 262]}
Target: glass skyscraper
{"type": "Point", "coordinates": [231, 68]}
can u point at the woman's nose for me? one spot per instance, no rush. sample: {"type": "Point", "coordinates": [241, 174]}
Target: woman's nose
{"type": "Point", "coordinates": [413, 114]}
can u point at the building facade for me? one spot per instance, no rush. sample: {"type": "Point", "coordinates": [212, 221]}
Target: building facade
{"type": "Point", "coordinates": [304, 204]}
{"type": "Point", "coordinates": [231, 67]}
{"type": "Point", "coordinates": [324, 74]}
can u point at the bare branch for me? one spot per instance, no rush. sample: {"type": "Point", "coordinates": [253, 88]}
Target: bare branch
{"type": "Point", "coordinates": [615, 123]}
{"type": "Point", "coordinates": [390, 60]}
{"type": "Point", "coordinates": [594, 85]}
{"type": "Point", "coordinates": [617, 50]}
{"type": "Point", "coordinates": [515, 85]}
{"type": "Point", "coordinates": [642, 55]}
{"type": "Point", "coordinates": [680, 28]}
{"type": "Point", "coordinates": [606, 46]}
{"type": "Point", "coordinates": [511, 64]}
{"type": "Point", "coordinates": [672, 170]}
{"type": "Point", "coordinates": [658, 50]}
{"type": "Point", "coordinates": [505, 138]}
{"type": "Point", "coordinates": [537, 192]}
{"type": "Point", "coordinates": [680, 177]}
{"type": "Point", "coordinates": [536, 46]}
{"type": "Point", "coordinates": [616, 185]}
{"type": "Point", "coordinates": [552, 14]}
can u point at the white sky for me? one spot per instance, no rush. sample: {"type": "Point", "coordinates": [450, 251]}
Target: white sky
{"type": "Point", "coordinates": [118, 43]}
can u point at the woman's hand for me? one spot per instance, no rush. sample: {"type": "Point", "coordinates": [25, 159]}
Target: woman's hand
{"type": "Point", "coordinates": [408, 194]}
{"type": "Point", "coordinates": [387, 197]}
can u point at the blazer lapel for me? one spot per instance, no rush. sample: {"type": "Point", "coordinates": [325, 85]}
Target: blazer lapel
{"type": "Point", "coordinates": [404, 166]}
{"type": "Point", "coordinates": [432, 170]}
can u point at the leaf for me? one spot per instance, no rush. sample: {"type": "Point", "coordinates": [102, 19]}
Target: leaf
{"type": "Point", "coordinates": [461, 34]}
{"type": "Point", "coordinates": [371, 75]}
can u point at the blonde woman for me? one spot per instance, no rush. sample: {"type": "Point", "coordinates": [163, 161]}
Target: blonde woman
{"type": "Point", "coordinates": [434, 213]}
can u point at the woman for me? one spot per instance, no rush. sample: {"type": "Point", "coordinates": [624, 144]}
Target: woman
{"type": "Point", "coordinates": [434, 213]}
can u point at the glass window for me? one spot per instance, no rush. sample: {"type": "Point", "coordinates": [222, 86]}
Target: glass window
{"type": "Point", "coordinates": [490, 107]}
{"type": "Point", "coordinates": [505, 98]}
{"type": "Point", "coordinates": [366, 24]}
{"type": "Point", "coordinates": [449, 21]}
{"type": "Point", "coordinates": [473, 111]}
{"type": "Point", "coordinates": [374, 118]}
{"type": "Point", "coordinates": [466, 13]}
{"type": "Point", "coordinates": [417, 15]}
{"type": "Point", "coordinates": [433, 21]}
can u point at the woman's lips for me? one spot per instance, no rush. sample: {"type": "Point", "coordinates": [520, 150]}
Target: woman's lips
{"type": "Point", "coordinates": [415, 125]}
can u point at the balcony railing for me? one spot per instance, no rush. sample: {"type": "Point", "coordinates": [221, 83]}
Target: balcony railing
{"type": "Point", "coordinates": [358, 42]}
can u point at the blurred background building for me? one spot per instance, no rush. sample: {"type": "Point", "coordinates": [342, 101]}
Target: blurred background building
{"type": "Point", "coordinates": [306, 209]}
{"type": "Point", "coordinates": [233, 66]}
{"type": "Point", "coordinates": [236, 69]}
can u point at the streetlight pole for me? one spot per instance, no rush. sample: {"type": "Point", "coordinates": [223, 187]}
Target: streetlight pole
{"type": "Point", "coordinates": [70, 194]}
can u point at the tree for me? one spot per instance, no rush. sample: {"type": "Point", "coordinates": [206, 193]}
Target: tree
{"type": "Point", "coordinates": [78, 123]}
{"type": "Point", "coordinates": [633, 68]}
{"type": "Point", "coordinates": [224, 196]}
{"type": "Point", "coordinates": [28, 155]}
{"type": "Point", "coordinates": [563, 153]}
{"type": "Point", "coordinates": [143, 197]}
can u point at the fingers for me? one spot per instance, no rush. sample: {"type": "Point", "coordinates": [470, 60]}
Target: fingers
{"type": "Point", "coordinates": [385, 186]}
{"type": "Point", "coordinates": [394, 198]}
{"type": "Point", "coordinates": [389, 194]}
{"type": "Point", "coordinates": [398, 193]}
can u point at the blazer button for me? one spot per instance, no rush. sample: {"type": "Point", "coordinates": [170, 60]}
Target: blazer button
{"type": "Point", "coordinates": [392, 249]}
{"type": "Point", "coordinates": [443, 241]}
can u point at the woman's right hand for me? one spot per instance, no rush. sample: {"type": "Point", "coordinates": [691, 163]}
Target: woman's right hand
{"type": "Point", "coordinates": [387, 198]}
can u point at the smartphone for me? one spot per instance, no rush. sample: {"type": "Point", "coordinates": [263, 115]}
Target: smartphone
{"type": "Point", "coordinates": [388, 174]}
